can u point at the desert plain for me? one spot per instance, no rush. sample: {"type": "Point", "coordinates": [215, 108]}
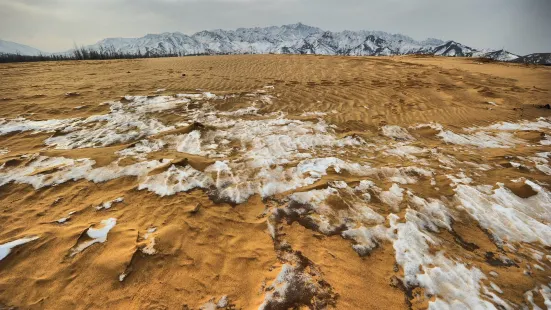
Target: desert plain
{"type": "Point", "coordinates": [275, 182]}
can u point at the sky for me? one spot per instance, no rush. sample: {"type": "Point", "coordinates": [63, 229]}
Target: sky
{"type": "Point", "coordinates": [520, 26]}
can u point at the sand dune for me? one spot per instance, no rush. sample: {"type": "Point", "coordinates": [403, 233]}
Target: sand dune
{"type": "Point", "coordinates": [275, 182]}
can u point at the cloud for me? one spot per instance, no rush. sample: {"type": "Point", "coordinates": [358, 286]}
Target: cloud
{"type": "Point", "coordinates": [55, 25]}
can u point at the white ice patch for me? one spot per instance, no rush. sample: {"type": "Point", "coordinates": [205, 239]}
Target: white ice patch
{"type": "Point", "coordinates": [149, 248]}
{"type": "Point", "coordinates": [96, 235]}
{"type": "Point", "coordinates": [126, 122]}
{"type": "Point", "coordinates": [241, 112]}
{"type": "Point", "coordinates": [314, 197]}
{"type": "Point", "coordinates": [542, 162]}
{"type": "Point", "coordinates": [446, 160]}
{"type": "Point", "coordinates": [496, 288]}
{"type": "Point", "coordinates": [176, 179]}
{"type": "Point", "coordinates": [189, 143]}
{"type": "Point", "coordinates": [150, 104]}
{"type": "Point", "coordinates": [237, 181]}
{"type": "Point", "coordinates": [393, 197]}
{"type": "Point", "coordinates": [50, 171]}
{"type": "Point", "coordinates": [233, 187]}
{"type": "Point", "coordinates": [222, 302]}
{"type": "Point", "coordinates": [434, 210]}
{"type": "Point", "coordinates": [279, 141]}
{"type": "Point", "coordinates": [368, 238]}
{"type": "Point", "coordinates": [406, 151]}
{"type": "Point", "coordinates": [280, 284]}
{"type": "Point", "coordinates": [108, 204]}
{"type": "Point", "coordinates": [507, 216]}
{"type": "Point", "coordinates": [480, 139]}
{"type": "Point", "coordinates": [365, 185]}
{"type": "Point", "coordinates": [432, 125]}
{"type": "Point", "coordinates": [5, 249]}
{"type": "Point", "coordinates": [208, 306]}
{"type": "Point", "coordinates": [396, 132]}
{"type": "Point", "coordinates": [64, 220]}
{"type": "Point", "coordinates": [22, 124]}
{"type": "Point", "coordinates": [3, 151]}
{"type": "Point", "coordinates": [537, 255]}
{"type": "Point", "coordinates": [317, 167]}
{"type": "Point", "coordinates": [530, 297]}
{"type": "Point", "coordinates": [545, 292]}
{"type": "Point", "coordinates": [404, 175]}
{"type": "Point", "coordinates": [494, 136]}
{"type": "Point", "coordinates": [460, 178]}
{"type": "Point", "coordinates": [114, 171]}
{"type": "Point", "coordinates": [117, 127]}
{"type": "Point", "coordinates": [142, 148]}
{"type": "Point", "coordinates": [47, 171]}
{"type": "Point", "coordinates": [290, 285]}
{"type": "Point", "coordinates": [539, 124]}
{"type": "Point", "coordinates": [275, 181]}
{"type": "Point", "coordinates": [357, 211]}
{"type": "Point", "coordinates": [496, 299]}
{"type": "Point", "coordinates": [454, 285]}
{"type": "Point", "coordinates": [315, 114]}
{"type": "Point", "coordinates": [265, 145]}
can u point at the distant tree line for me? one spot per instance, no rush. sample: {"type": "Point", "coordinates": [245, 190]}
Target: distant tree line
{"type": "Point", "coordinates": [6, 57]}
{"type": "Point", "coordinates": [86, 53]}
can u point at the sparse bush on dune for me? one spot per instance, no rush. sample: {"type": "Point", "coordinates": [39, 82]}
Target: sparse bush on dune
{"type": "Point", "coordinates": [5, 58]}
{"type": "Point", "coordinates": [86, 53]}
{"type": "Point", "coordinates": [484, 60]}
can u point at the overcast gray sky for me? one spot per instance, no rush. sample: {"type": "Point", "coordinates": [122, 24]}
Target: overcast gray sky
{"type": "Point", "coordinates": [521, 26]}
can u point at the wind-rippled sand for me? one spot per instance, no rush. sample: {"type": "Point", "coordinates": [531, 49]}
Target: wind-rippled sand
{"type": "Point", "coordinates": [275, 182]}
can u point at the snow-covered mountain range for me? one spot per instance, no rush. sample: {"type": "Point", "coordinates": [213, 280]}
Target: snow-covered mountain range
{"type": "Point", "coordinates": [537, 58]}
{"type": "Point", "coordinates": [292, 39]}
{"type": "Point", "coordinates": [9, 47]}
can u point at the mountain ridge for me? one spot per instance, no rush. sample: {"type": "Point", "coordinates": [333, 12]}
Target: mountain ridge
{"type": "Point", "coordinates": [10, 47]}
{"type": "Point", "coordinates": [296, 38]}
{"type": "Point", "coordinates": [290, 39]}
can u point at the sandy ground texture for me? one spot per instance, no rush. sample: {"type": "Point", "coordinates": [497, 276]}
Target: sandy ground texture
{"type": "Point", "coordinates": [275, 182]}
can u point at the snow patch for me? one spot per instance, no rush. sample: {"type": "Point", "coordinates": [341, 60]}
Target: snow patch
{"type": "Point", "coordinates": [396, 132]}
{"type": "Point", "coordinates": [108, 204]}
{"type": "Point", "coordinates": [6, 248]}
{"type": "Point", "coordinates": [176, 179]}
{"type": "Point", "coordinates": [393, 197]}
{"type": "Point", "coordinates": [95, 235]}
{"type": "Point", "coordinates": [508, 217]}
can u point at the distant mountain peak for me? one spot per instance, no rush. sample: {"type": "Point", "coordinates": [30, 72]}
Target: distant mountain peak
{"type": "Point", "coordinates": [9, 47]}
{"type": "Point", "coordinates": [536, 58]}
{"type": "Point", "coordinates": [295, 38]}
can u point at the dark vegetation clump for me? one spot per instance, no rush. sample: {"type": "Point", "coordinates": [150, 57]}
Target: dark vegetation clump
{"type": "Point", "coordinates": [484, 60]}
{"type": "Point", "coordinates": [84, 53]}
